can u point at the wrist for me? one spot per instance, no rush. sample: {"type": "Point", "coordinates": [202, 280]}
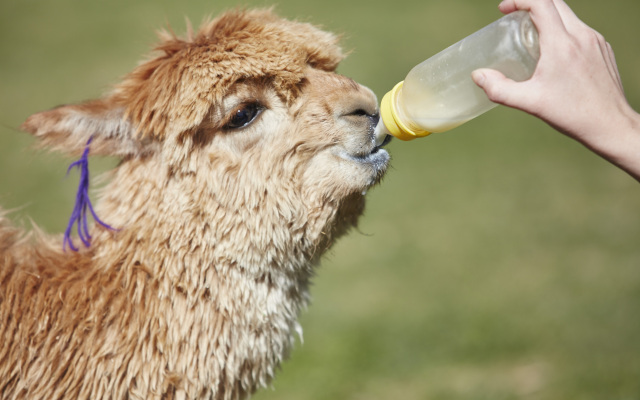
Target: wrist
{"type": "Point", "coordinates": [621, 144]}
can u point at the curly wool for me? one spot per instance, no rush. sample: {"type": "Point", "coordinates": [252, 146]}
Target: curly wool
{"type": "Point", "coordinates": [198, 294]}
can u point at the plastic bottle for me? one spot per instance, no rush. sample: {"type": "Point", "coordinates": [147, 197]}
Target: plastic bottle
{"type": "Point", "coordinates": [439, 94]}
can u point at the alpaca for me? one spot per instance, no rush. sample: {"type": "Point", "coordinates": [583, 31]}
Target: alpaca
{"type": "Point", "coordinates": [244, 155]}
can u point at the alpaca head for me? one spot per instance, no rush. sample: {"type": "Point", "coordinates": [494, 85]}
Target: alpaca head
{"type": "Point", "coordinates": [246, 113]}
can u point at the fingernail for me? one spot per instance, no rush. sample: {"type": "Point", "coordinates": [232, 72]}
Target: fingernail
{"type": "Point", "coordinates": [478, 77]}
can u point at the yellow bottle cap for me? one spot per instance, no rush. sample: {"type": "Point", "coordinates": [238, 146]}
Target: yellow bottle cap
{"type": "Point", "coordinates": [389, 115]}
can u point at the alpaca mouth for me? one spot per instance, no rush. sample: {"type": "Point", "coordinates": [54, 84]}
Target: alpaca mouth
{"type": "Point", "coordinates": [386, 141]}
{"type": "Point", "coordinates": [377, 157]}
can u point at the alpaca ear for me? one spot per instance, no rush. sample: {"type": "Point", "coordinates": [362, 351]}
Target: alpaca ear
{"type": "Point", "coordinates": [68, 128]}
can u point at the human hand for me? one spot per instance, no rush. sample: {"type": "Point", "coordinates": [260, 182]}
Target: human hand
{"type": "Point", "coordinates": [576, 87]}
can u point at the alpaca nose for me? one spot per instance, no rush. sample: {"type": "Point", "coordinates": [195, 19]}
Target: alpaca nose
{"type": "Point", "coordinates": [374, 119]}
{"type": "Point", "coordinates": [360, 112]}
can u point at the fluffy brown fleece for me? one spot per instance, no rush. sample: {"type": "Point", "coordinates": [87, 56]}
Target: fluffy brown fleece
{"type": "Point", "coordinates": [244, 155]}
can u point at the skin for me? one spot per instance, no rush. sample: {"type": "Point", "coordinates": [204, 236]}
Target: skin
{"type": "Point", "coordinates": [588, 104]}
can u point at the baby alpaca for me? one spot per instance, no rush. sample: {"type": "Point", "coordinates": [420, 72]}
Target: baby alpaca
{"type": "Point", "coordinates": [244, 156]}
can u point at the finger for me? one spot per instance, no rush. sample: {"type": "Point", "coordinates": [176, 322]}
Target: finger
{"type": "Point", "coordinates": [604, 51]}
{"type": "Point", "coordinates": [499, 88]}
{"type": "Point", "coordinates": [610, 60]}
{"type": "Point", "coordinates": [571, 21]}
{"type": "Point", "coordinates": [613, 61]}
{"type": "Point", "coordinates": [507, 6]}
{"type": "Point", "coordinates": [597, 42]}
{"type": "Point", "coordinates": [566, 13]}
{"type": "Point", "coordinates": [544, 15]}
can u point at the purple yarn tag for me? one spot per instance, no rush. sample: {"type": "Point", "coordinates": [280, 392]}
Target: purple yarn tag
{"type": "Point", "coordinates": [83, 204]}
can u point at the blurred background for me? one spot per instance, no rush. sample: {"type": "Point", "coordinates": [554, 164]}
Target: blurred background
{"type": "Point", "coordinates": [496, 261]}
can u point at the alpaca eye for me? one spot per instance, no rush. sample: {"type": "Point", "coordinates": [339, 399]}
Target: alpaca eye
{"type": "Point", "coordinates": [244, 115]}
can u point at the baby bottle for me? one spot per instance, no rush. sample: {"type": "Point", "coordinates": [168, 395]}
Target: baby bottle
{"type": "Point", "coordinates": [439, 94]}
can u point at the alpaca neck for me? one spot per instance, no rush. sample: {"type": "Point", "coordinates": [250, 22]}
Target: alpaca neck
{"type": "Point", "coordinates": [239, 275]}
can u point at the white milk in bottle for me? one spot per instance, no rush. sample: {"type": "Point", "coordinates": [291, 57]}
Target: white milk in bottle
{"type": "Point", "coordinates": [439, 94]}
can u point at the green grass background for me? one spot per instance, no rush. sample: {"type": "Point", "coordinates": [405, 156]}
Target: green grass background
{"type": "Point", "coordinates": [497, 261]}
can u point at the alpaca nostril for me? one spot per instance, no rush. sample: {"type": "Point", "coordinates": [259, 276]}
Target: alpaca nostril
{"type": "Point", "coordinates": [373, 122]}
{"type": "Point", "coordinates": [367, 118]}
{"type": "Point", "coordinates": [374, 118]}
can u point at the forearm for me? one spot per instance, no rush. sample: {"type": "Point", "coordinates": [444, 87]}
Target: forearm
{"type": "Point", "coordinates": [621, 143]}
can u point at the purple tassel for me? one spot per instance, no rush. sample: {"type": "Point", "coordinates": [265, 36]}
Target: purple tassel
{"type": "Point", "coordinates": [83, 203]}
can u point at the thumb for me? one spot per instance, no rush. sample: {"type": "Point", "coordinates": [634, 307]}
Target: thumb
{"type": "Point", "coordinates": [498, 87]}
